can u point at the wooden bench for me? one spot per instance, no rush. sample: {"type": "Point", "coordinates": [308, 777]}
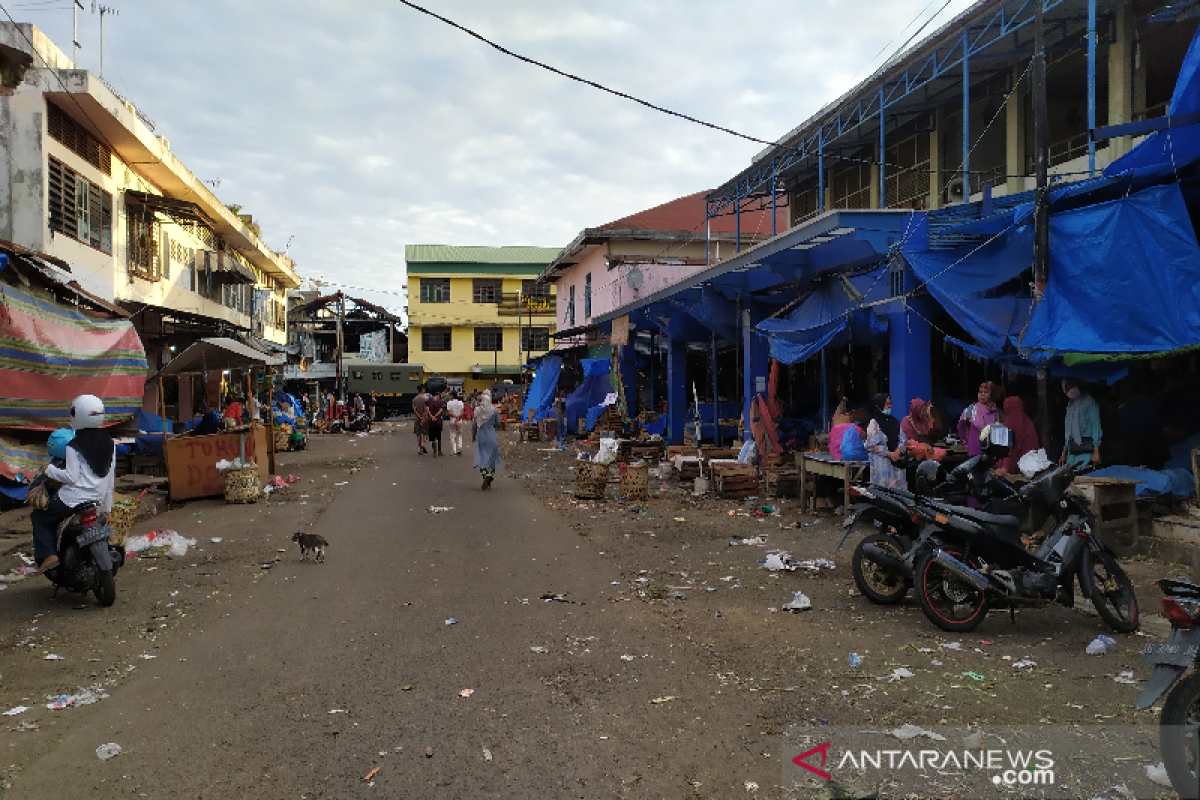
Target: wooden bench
{"type": "Point", "coordinates": [813, 464]}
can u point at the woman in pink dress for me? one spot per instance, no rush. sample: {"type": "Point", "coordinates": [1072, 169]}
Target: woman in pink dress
{"type": "Point", "coordinates": [977, 416]}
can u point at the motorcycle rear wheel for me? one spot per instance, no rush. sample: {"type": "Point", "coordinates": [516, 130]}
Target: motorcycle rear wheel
{"type": "Point", "coordinates": [876, 584]}
{"type": "Point", "coordinates": [1112, 591]}
{"type": "Point", "coordinates": [948, 602]}
{"type": "Point", "coordinates": [106, 591]}
{"type": "Point", "coordinates": [1179, 737]}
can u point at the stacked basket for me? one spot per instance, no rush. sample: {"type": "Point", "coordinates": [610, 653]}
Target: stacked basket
{"type": "Point", "coordinates": [120, 519]}
{"type": "Point", "coordinates": [241, 485]}
{"type": "Point", "coordinates": [591, 479]}
{"type": "Point", "coordinates": [633, 481]}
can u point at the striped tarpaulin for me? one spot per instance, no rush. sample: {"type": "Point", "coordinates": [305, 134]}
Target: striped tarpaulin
{"type": "Point", "coordinates": [51, 353]}
{"type": "Point", "coordinates": [21, 462]}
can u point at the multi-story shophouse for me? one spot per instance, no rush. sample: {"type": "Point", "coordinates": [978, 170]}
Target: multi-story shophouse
{"type": "Point", "coordinates": [476, 314]}
{"type": "Point", "coordinates": [84, 178]}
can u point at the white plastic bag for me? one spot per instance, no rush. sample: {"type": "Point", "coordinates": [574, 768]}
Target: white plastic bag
{"type": "Point", "coordinates": [608, 451]}
{"type": "Point", "coordinates": [1033, 462]}
{"type": "Point", "coordinates": [748, 453]}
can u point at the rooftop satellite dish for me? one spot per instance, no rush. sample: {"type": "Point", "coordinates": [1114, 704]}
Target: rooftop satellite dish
{"type": "Point", "coordinates": [635, 278]}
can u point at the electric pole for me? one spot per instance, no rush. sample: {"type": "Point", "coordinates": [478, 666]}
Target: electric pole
{"type": "Point", "coordinates": [1041, 206]}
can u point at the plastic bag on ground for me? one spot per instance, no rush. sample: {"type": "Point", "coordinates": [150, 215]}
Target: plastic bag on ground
{"type": "Point", "coordinates": [176, 545]}
{"type": "Point", "coordinates": [1033, 462]}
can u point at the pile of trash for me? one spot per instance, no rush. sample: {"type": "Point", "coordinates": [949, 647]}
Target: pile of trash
{"type": "Point", "coordinates": [276, 483]}
{"type": "Point", "coordinates": [237, 463]}
{"type": "Point", "coordinates": [159, 543]}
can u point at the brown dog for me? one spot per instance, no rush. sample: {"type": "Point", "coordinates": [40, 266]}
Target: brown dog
{"type": "Point", "coordinates": [313, 542]}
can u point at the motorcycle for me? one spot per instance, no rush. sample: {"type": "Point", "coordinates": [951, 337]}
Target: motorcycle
{"type": "Point", "coordinates": [360, 423]}
{"type": "Point", "coordinates": [966, 560]}
{"type": "Point", "coordinates": [87, 561]}
{"type": "Point", "coordinates": [1179, 725]}
{"type": "Point", "coordinates": [884, 560]}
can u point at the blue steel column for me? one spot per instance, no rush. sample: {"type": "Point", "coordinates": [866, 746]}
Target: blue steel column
{"type": "Point", "coordinates": [773, 185]}
{"type": "Point", "coordinates": [653, 370]}
{"type": "Point", "coordinates": [677, 399]}
{"type": "Point", "coordinates": [909, 355]}
{"type": "Point", "coordinates": [882, 156]}
{"type": "Point", "coordinates": [737, 221]}
{"type": "Point", "coordinates": [821, 171]}
{"type": "Point", "coordinates": [629, 377]}
{"type": "Point", "coordinates": [716, 397]}
{"type": "Point", "coordinates": [1091, 86]}
{"type": "Point", "coordinates": [966, 119]}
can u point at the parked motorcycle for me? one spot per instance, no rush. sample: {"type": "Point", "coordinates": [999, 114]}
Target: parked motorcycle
{"type": "Point", "coordinates": [1179, 725]}
{"type": "Point", "coordinates": [884, 560]}
{"type": "Point", "coordinates": [968, 559]}
{"type": "Point", "coordinates": [360, 423]}
{"type": "Point", "coordinates": [87, 561]}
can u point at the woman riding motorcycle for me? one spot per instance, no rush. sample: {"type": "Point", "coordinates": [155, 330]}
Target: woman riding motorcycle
{"type": "Point", "coordinates": [87, 476]}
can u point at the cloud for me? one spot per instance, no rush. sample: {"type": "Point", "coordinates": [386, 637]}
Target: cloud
{"type": "Point", "coordinates": [361, 126]}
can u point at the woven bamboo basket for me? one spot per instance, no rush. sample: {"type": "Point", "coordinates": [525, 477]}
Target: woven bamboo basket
{"type": "Point", "coordinates": [590, 480]}
{"type": "Point", "coordinates": [282, 439]}
{"type": "Point", "coordinates": [633, 481]}
{"type": "Point", "coordinates": [241, 485]}
{"type": "Point", "coordinates": [120, 519]}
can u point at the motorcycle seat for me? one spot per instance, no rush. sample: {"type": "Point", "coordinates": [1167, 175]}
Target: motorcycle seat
{"type": "Point", "coordinates": [982, 517]}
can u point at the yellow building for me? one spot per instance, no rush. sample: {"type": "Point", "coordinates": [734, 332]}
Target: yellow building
{"type": "Point", "coordinates": [477, 313]}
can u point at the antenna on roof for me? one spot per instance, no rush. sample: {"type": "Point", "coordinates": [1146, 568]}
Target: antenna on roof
{"type": "Point", "coordinates": [103, 10]}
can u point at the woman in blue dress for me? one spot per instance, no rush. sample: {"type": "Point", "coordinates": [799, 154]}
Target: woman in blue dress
{"type": "Point", "coordinates": [487, 446]}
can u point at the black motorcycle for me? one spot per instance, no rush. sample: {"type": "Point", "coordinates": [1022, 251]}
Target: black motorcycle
{"type": "Point", "coordinates": [884, 559]}
{"type": "Point", "coordinates": [360, 423]}
{"type": "Point", "coordinates": [966, 560]}
{"type": "Point", "coordinates": [87, 561]}
{"type": "Point", "coordinates": [1179, 725]}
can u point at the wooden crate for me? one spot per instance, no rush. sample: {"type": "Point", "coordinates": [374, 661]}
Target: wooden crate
{"type": "Point", "coordinates": [735, 480]}
{"type": "Point", "coordinates": [1114, 511]}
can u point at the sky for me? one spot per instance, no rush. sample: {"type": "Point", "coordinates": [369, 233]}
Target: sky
{"type": "Point", "coordinates": [350, 129]}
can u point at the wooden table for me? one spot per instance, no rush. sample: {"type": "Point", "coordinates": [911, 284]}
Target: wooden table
{"type": "Point", "coordinates": [823, 464]}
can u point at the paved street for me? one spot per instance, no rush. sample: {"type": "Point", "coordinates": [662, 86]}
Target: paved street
{"type": "Point", "coordinates": [318, 674]}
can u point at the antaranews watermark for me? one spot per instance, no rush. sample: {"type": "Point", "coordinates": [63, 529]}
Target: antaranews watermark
{"type": "Point", "coordinates": [1041, 761]}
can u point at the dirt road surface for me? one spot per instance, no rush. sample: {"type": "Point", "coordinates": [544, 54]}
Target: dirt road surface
{"type": "Point", "coordinates": [519, 644]}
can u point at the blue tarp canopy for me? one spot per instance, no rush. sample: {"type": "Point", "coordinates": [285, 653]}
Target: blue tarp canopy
{"type": "Point", "coordinates": [825, 316]}
{"type": "Point", "coordinates": [714, 312]}
{"type": "Point", "coordinates": [594, 388]}
{"type": "Point", "coordinates": [1124, 277]}
{"type": "Point", "coordinates": [1176, 147]}
{"type": "Point", "coordinates": [541, 391]}
{"type": "Point", "coordinates": [979, 286]}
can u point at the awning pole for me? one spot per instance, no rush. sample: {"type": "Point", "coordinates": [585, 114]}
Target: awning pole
{"type": "Point", "coordinates": [824, 394]}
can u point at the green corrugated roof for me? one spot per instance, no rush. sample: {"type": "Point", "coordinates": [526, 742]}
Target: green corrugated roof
{"type": "Point", "coordinates": [444, 253]}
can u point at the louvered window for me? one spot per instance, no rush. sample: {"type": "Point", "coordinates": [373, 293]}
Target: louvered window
{"type": "Point", "coordinates": [76, 138]}
{"type": "Point", "coordinates": [79, 208]}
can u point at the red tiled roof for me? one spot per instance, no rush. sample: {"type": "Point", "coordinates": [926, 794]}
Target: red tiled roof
{"type": "Point", "coordinates": [687, 214]}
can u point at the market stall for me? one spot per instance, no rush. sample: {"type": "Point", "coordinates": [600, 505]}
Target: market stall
{"type": "Point", "coordinates": [192, 460]}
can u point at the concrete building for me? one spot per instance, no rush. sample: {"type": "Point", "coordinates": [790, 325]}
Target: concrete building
{"type": "Point", "coordinates": [477, 313]}
{"type": "Point", "coordinates": [611, 265]}
{"type": "Point", "coordinates": [938, 138]}
{"type": "Point", "coordinates": [84, 178]}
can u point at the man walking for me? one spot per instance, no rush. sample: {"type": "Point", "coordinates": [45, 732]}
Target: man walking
{"type": "Point", "coordinates": [454, 412]}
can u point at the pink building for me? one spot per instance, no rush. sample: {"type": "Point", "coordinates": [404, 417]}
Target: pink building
{"type": "Point", "coordinates": [607, 267]}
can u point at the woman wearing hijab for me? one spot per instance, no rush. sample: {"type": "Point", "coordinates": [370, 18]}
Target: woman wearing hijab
{"type": "Point", "coordinates": [487, 447]}
{"type": "Point", "coordinates": [885, 445]}
{"type": "Point", "coordinates": [1025, 438]}
{"type": "Point", "coordinates": [1083, 433]}
{"type": "Point", "coordinates": [918, 429]}
{"type": "Point", "coordinates": [977, 416]}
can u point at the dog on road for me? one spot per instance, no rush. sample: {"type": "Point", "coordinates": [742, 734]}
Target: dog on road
{"type": "Point", "coordinates": [311, 542]}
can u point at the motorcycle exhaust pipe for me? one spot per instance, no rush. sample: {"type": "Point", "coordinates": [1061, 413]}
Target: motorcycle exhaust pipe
{"type": "Point", "coordinates": [973, 577]}
{"type": "Point", "coordinates": [886, 560]}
